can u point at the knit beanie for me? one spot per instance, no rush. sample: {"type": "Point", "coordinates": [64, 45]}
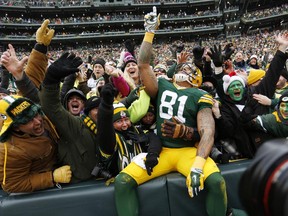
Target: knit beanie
{"type": "Point", "coordinates": [120, 111]}
{"type": "Point", "coordinates": [255, 75]}
{"type": "Point", "coordinates": [72, 92]}
{"type": "Point", "coordinates": [228, 79]}
{"type": "Point", "coordinates": [160, 67]}
{"type": "Point", "coordinates": [283, 98]}
{"type": "Point", "coordinates": [91, 103]}
{"type": "Point", "coordinates": [128, 57]}
{"type": "Point", "coordinates": [254, 56]}
{"type": "Point", "coordinates": [100, 61]}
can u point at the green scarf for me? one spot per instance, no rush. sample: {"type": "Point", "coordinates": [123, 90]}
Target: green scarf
{"type": "Point", "coordinates": [89, 123]}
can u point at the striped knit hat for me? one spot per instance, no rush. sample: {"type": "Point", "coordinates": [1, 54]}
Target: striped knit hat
{"type": "Point", "coordinates": [120, 111]}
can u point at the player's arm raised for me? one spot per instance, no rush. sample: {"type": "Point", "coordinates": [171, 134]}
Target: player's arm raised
{"type": "Point", "coordinates": [148, 78]}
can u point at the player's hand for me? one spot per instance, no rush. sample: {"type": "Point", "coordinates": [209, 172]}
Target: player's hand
{"type": "Point", "coordinates": [152, 21]}
{"type": "Point", "coordinates": [195, 182]}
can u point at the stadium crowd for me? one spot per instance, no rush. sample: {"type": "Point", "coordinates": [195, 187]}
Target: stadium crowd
{"type": "Point", "coordinates": [124, 110]}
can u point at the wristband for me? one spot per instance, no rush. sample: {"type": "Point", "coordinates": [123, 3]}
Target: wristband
{"type": "Point", "coordinates": [41, 48]}
{"type": "Point", "coordinates": [198, 163]}
{"type": "Point", "coordinates": [149, 37]}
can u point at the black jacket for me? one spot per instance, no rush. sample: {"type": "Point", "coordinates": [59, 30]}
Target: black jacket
{"type": "Point", "coordinates": [232, 123]}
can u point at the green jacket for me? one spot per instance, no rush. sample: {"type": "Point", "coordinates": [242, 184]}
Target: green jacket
{"type": "Point", "coordinates": [77, 146]}
{"type": "Point", "coordinates": [272, 124]}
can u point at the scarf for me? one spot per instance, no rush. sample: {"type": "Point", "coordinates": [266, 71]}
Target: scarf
{"type": "Point", "coordinates": [89, 123]}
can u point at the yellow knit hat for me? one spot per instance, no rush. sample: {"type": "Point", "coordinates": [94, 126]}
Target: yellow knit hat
{"type": "Point", "coordinates": [255, 75]}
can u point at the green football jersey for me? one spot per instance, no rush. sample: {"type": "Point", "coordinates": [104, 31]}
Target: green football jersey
{"type": "Point", "coordinates": [184, 103]}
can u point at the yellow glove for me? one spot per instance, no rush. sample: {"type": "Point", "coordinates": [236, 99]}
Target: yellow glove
{"type": "Point", "coordinates": [62, 174]}
{"type": "Point", "coordinates": [44, 35]}
{"type": "Point", "coordinates": [195, 180]}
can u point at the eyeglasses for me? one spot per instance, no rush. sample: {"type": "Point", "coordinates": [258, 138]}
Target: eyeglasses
{"type": "Point", "coordinates": [157, 70]}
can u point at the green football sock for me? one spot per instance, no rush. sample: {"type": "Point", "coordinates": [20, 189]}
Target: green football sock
{"type": "Point", "coordinates": [126, 197]}
{"type": "Point", "coordinates": [216, 200]}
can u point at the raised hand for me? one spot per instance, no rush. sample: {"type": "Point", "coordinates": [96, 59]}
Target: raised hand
{"type": "Point", "coordinates": [198, 52]}
{"type": "Point", "coordinates": [11, 62]}
{"type": "Point", "coordinates": [228, 51]}
{"type": "Point", "coordinates": [183, 57]}
{"type": "Point", "coordinates": [216, 56]}
{"type": "Point", "coordinates": [282, 39]}
{"type": "Point", "coordinates": [44, 35]}
{"type": "Point", "coordinates": [108, 93]}
{"type": "Point", "coordinates": [67, 64]}
{"type": "Point", "coordinates": [152, 21]}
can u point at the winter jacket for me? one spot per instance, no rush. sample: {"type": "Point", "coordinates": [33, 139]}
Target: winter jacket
{"type": "Point", "coordinates": [77, 146]}
{"type": "Point", "coordinates": [232, 122]}
{"type": "Point", "coordinates": [29, 161]}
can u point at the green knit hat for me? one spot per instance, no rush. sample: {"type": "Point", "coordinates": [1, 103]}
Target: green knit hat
{"type": "Point", "coordinates": [120, 111]}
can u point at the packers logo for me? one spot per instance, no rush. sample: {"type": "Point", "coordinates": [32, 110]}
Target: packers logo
{"type": "Point", "coordinates": [20, 108]}
{"type": "Point", "coordinates": [123, 114]}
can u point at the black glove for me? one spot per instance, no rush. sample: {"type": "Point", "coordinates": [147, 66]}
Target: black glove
{"type": "Point", "coordinates": [130, 46]}
{"type": "Point", "coordinates": [216, 56]}
{"type": "Point", "coordinates": [180, 48]}
{"type": "Point", "coordinates": [67, 64]}
{"type": "Point", "coordinates": [106, 77]}
{"type": "Point", "coordinates": [138, 138]}
{"type": "Point", "coordinates": [198, 53]}
{"type": "Point", "coordinates": [151, 161]}
{"type": "Point", "coordinates": [133, 95]}
{"type": "Point", "coordinates": [173, 51]}
{"type": "Point", "coordinates": [108, 93]}
{"type": "Point", "coordinates": [228, 51]}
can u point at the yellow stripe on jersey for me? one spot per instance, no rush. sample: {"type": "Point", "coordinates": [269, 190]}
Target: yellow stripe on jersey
{"type": "Point", "coordinates": [206, 99]}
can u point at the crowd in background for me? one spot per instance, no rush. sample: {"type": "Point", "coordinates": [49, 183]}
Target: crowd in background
{"type": "Point", "coordinates": [238, 82]}
{"type": "Point", "coordinates": [259, 44]}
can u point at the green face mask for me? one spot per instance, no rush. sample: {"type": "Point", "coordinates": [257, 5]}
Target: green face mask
{"type": "Point", "coordinates": [236, 90]}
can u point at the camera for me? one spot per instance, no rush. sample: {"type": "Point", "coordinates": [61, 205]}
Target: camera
{"type": "Point", "coordinates": [264, 185]}
{"type": "Point", "coordinates": [100, 172]}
